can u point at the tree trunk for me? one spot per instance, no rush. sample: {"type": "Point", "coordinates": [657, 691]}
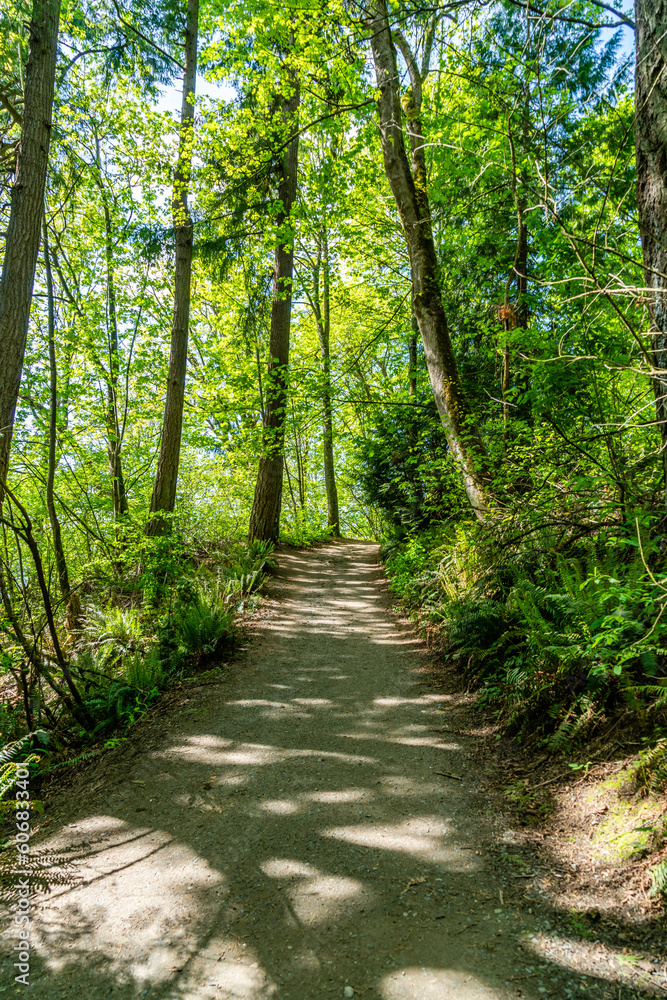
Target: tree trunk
{"type": "Point", "coordinates": [61, 562]}
{"type": "Point", "coordinates": [322, 311]}
{"type": "Point", "coordinates": [114, 436]}
{"type": "Point", "coordinates": [163, 499]}
{"type": "Point", "coordinates": [27, 206]}
{"type": "Point", "coordinates": [265, 514]}
{"type": "Point", "coordinates": [333, 515]}
{"type": "Point", "coordinates": [651, 148]}
{"type": "Point", "coordinates": [413, 431]}
{"type": "Point", "coordinates": [524, 409]}
{"type": "Point", "coordinates": [517, 317]}
{"type": "Point", "coordinates": [291, 492]}
{"type": "Point", "coordinates": [412, 355]}
{"type": "Point", "coordinates": [408, 182]}
{"type": "Point", "coordinates": [300, 469]}
{"type": "Point", "coordinates": [521, 269]}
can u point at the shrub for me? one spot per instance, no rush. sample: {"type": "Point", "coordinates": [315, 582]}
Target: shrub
{"type": "Point", "coordinates": [112, 705]}
{"type": "Point", "coordinates": [658, 875]}
{"type": "Point", "coordinates": [144, 671]}
{"type": "Point", "coordinates": [553, 642]}
{"type": "Point", "coordinates": [113, 632]}
{"type": "Point", "coordinates": [203, 629]}
{"type": "Point", "coordinates": [652, 769]}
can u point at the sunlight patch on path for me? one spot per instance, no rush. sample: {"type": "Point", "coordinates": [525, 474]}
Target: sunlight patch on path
{"type": "Point", "coordinates": [316, 897]}
{"type": "Point", "coordinates": [256, 754]}
{"type": "Point", "coordinates": [225, 969]}
{"type": "Point", "coordinates": [140, 887]}
{"type": "Point", "coordinates": [434, 984]}
{"type": "Point", "coordinates": [421, 837]}
{"type": "Point", "coordinates": [591, 957]}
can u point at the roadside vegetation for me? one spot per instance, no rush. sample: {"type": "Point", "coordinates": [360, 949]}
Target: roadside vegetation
{"type": "Point", "coordinates": [168, 617]}
{"type": "Point", "coordinates": [560, 628]}
{"type": "Point", "coordinates": [282, 274]}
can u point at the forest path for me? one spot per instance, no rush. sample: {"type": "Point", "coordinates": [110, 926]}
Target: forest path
{"type": "Point", "coordinates": [285, 834]}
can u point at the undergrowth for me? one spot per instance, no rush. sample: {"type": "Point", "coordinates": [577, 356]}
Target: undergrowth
{"type": "Point", "coordinates": [166, 613]}
{"type": "Point", "coordinates": [558, 643]}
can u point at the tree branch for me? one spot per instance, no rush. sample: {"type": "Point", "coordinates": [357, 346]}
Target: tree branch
{"type": "Point", "coordinates": [145, 38]}
{"type": "Point", "coordinates": [8, 106]}
{"type": "Point", "coordinates": [576, 20]}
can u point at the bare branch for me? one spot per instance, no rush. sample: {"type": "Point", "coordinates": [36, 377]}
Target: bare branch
{"type": "Point", "coordinates": [8, 106]}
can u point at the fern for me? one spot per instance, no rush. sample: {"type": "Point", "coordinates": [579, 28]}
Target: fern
{"type": "Point", "coordinates": [112, 704]}
{"type": "Point", "coordinates": [476, 624]}
{"type": "Point", "coordinates": [13, 751]}
{"type": "Point", "coordinates": [73, 761]}
{"type": "Point", "coordinates": [14, 756]}
{"type": "Point", "coordinates": [144, 671]}
{"type": "Point", "coordinates": [261, 554]}
{"type": "Point", "coordinates": [653, 766]}
{"type": "Point", "coordinates": [659, 876]}
{"type": "Point", "coordinates": [202, 628]}
{"type": "Point", "coordinates": [580, 717]}
{"type": "Point", "coordinates": [552, 640]}
{"type": "Point", "coordinates": [114, 633]}
{"type": "Point", "coordinates": [526, 598]}
{"type": "Point", "coordinates": [571, 576]}
{"type": "Point", "coordinates": [655, 693]}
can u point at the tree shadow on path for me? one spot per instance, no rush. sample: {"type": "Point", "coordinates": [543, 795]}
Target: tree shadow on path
{"type": "Point", "coordinates": [294, 832]}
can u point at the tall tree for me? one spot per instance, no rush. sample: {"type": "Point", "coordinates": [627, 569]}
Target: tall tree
{"type": "Point", "coordinates": [318, 292]}
{"type": "Point", "coordinates": [61, 562]}
{"type": "Point", "coordinates": [409, 186]}
{"type": "Point", "coordinates": [517, 316]}
{"type": "Point", "coordinates": [166, 476]}
{"type": "Point", "coordinates": [412, 353]}
{"type": "Point", "coordinates": [27, 206]}
{"type": "Point", "coordinates": [651, 150]}
{"type": "Point", "coordinates": [324, 334]}
{"type": "Point", "coordinates": [113, 422]}
{"type": "Point", "coordinates": [265, 514]}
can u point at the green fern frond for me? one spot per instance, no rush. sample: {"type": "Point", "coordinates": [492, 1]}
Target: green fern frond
{"type": "Point", "coordinates": [202, 626]}
{"type": "Point", "coordinates": [13, 751]}
{"type": "Point", "coordinates": [581, 716]}
{"type": "Point", "coordinates": [656, 694]}
{"type": "Point", "coordinates": [13, 757]}
{"type": "Point", "coordinates": [653, 766]}
{"type": "Point", "coordinates": [144, 671]}
{"type": "Point", "coordinates": [659, 876]}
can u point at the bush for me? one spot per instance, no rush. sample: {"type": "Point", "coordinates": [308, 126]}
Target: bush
{"type": "Point", "coordinates": [115, 705]}
{"type": "Point", "coordinates": [144, 671]}
{"type": "Point", "coordinates": [652, 770]}
{"type": "Point", "coordinates": [113, 632]}
{"type": "Point", "coordinates": [203, 629]}
{"type": "Point", "coordinates": [553, 642]}
{"type": "Point", "coordinates": [406, 471]}
{"type": "Point", "coordinates": [167, 609]}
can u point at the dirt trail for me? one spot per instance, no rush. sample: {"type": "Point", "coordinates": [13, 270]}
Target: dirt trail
{"type": "Point", "coordinates": [285, 835]}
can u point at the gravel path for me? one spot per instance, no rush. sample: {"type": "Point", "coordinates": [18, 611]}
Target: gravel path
{"type": "Point", "coordinates": [286, 834]}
